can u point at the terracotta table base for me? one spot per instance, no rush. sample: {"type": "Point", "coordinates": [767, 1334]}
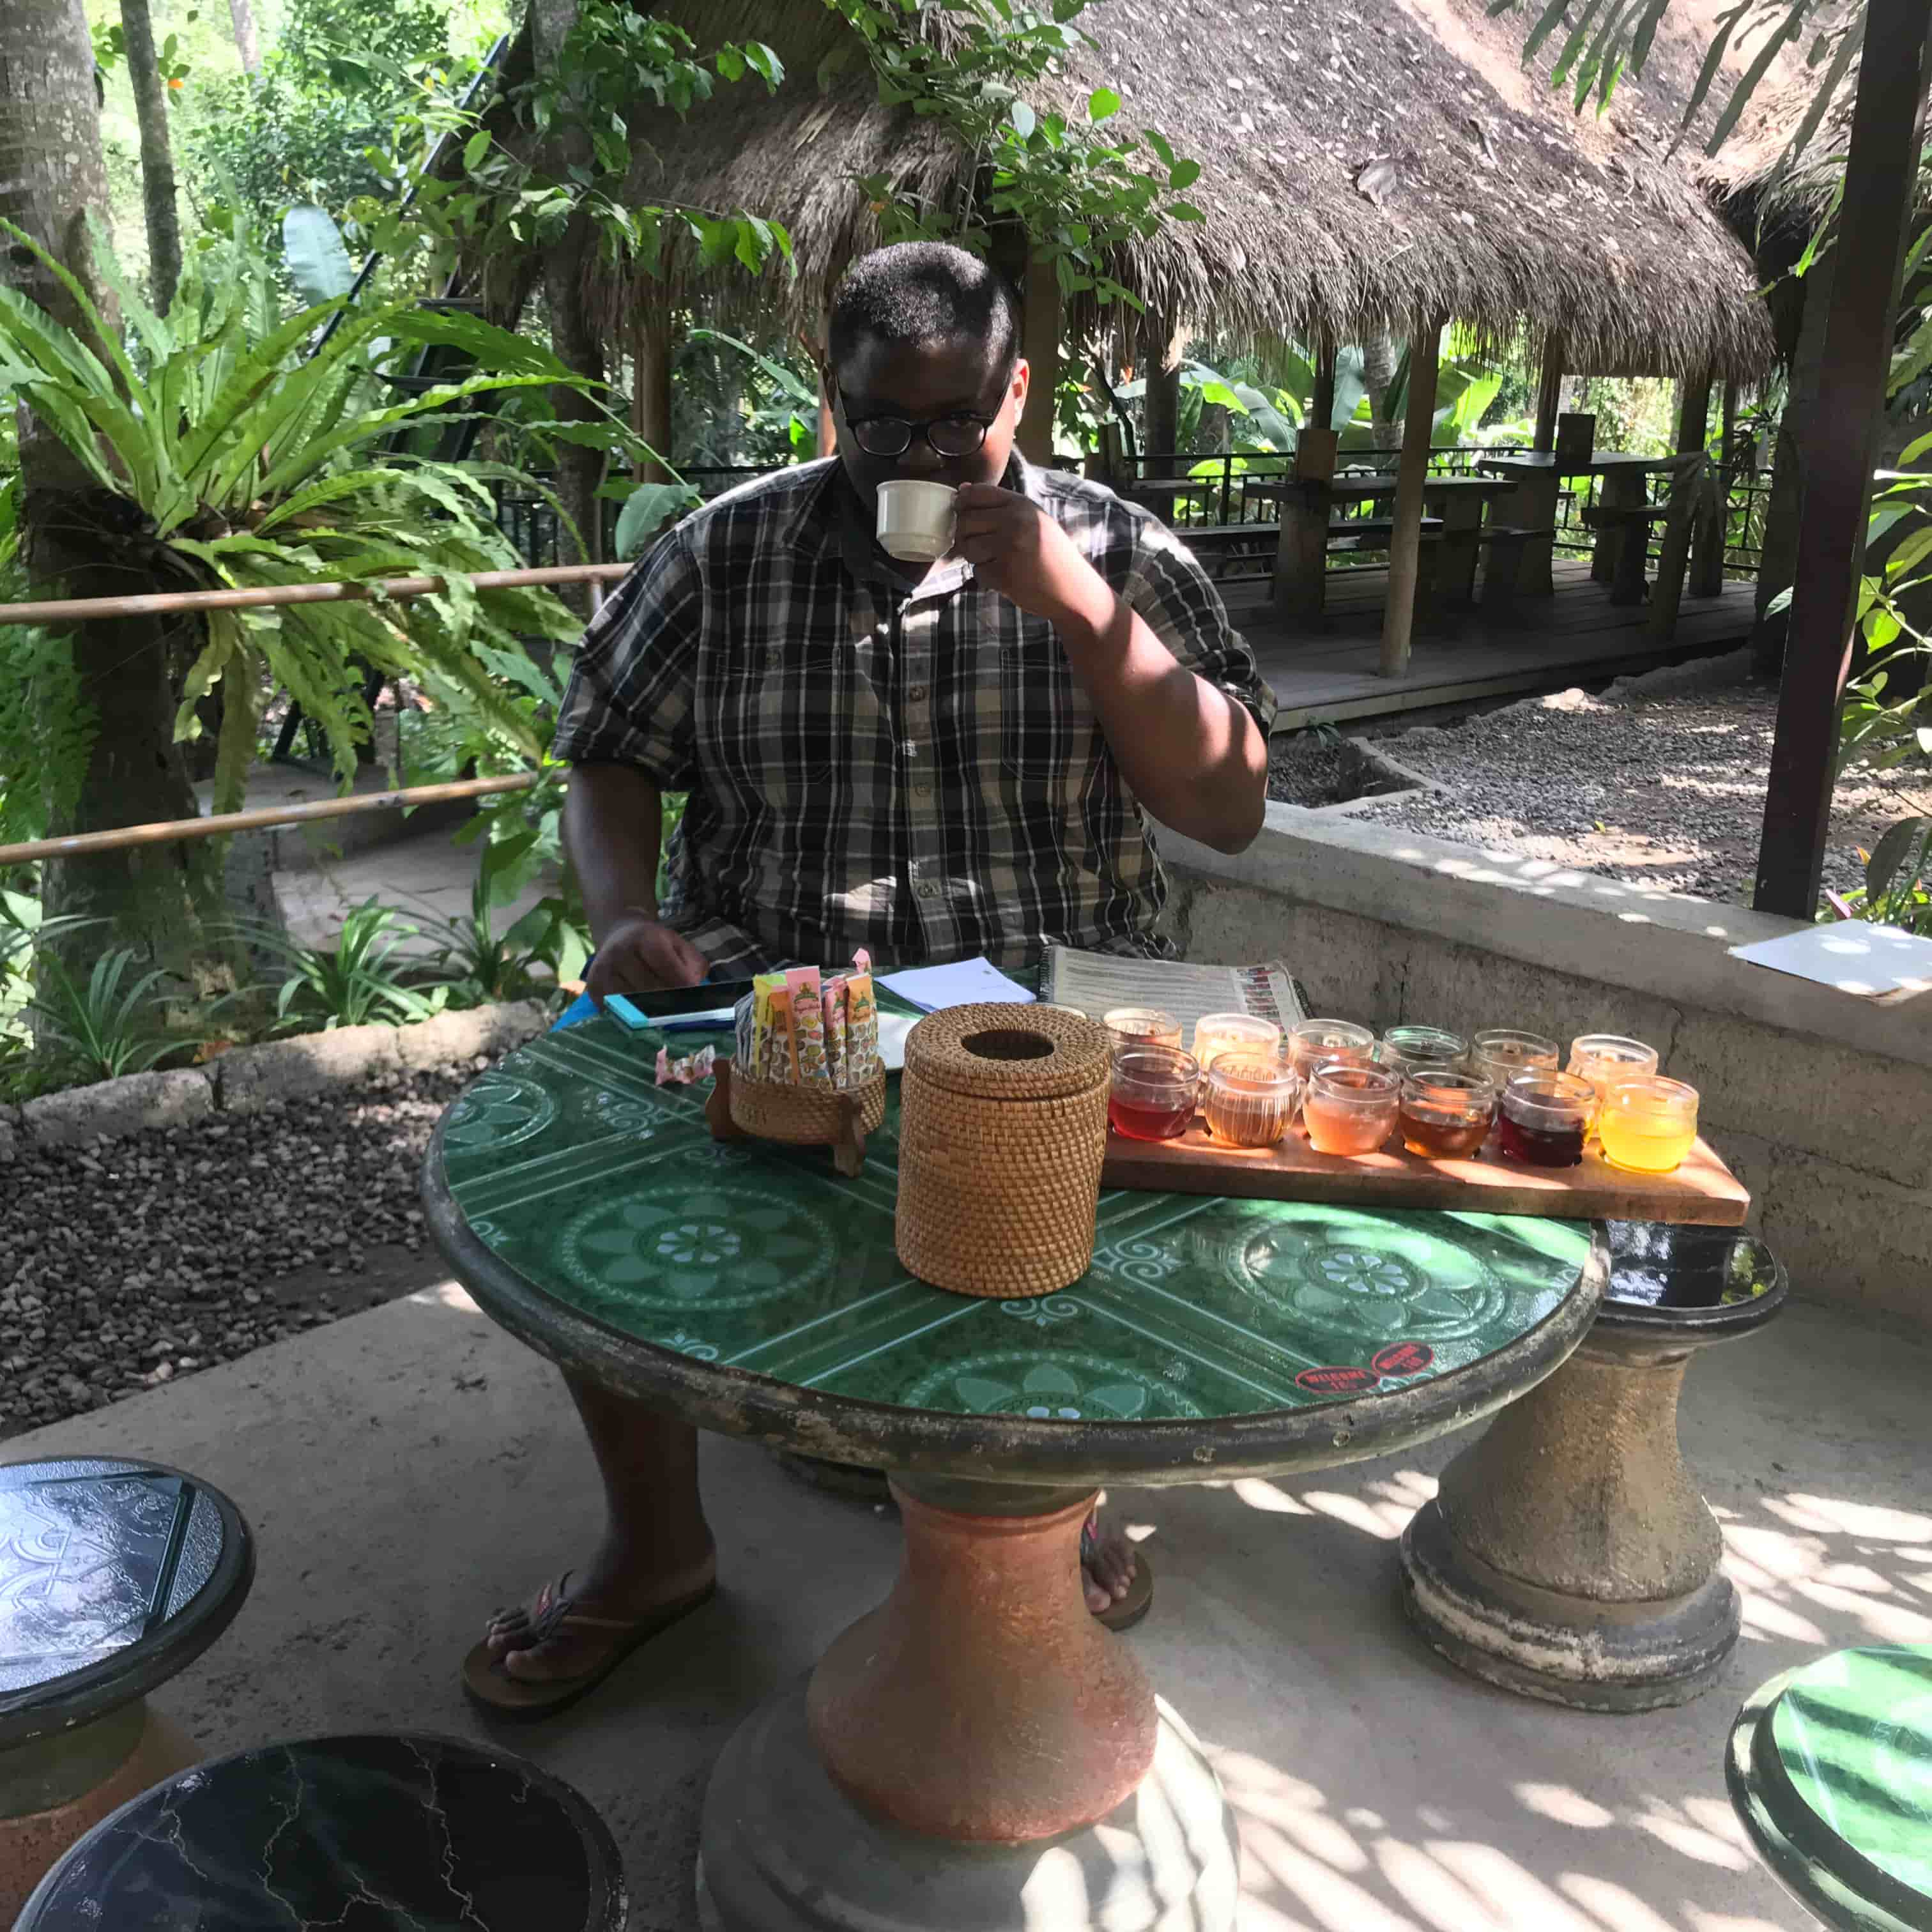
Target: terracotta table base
{"type": "Point", "coordinates": [977, 1754]}
{"type": "Point", "coordinates": [56, 1790]}
{"type": "Point", "coordinates": [1568, 1554]}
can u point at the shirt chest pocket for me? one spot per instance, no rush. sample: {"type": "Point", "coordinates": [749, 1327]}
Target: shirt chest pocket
{"type": "Point", "coordinates": [775, 721]}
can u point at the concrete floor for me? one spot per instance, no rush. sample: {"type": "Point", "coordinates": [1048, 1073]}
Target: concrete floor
{"type": "Point", "coordinates": [426, 874]}
{"type": "Point", "coordinates": [407, 1468]}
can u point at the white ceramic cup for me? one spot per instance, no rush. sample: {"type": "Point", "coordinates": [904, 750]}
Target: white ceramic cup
{"type": "Point", "coordinates": [916, 520]}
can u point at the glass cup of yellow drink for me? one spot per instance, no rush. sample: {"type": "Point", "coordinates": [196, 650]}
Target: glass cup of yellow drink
{"type": "Point", "coordinates": [1649, 1125]}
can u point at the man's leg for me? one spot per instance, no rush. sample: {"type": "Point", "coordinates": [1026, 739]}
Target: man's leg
{"type": "Point", "coordinates": [657, 1547]}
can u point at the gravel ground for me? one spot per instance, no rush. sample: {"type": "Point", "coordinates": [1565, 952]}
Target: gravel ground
{"type": "Point", "coordinates": [1648, 784]}
{"type": "Point", "coordinates": [125, 1264]}
{"type": "Point", "coordinates": [1310, 768]}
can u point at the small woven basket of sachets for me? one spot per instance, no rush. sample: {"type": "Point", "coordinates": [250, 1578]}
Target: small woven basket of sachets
{"type": "Point", "coordinates": [1002, 1127]}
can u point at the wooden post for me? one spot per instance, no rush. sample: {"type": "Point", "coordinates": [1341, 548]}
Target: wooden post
{"type": "Point", "coordinates": [1405, 540]}
{"type": "Point", "coordinates": [1837, 439]}
{"type": "Point", "coordinates": [1321, 403]}
{"type": "Point", "coordinates": [1549, 391]}
{"type": "Point", "coordinates": [828, 430]}
{"type": "Point", "coordinates": [651, 348]}
{"type": "Point", "coordinates": [1039, 344]}
{"type": "Point", "coordinates": [1713, 533]}
{"type": "Point", "coordinates": [1673, 551]}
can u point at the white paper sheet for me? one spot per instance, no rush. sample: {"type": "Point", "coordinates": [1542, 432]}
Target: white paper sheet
{"type": "Point", "coordinates": [1873, 962]}
{"type": "Point", "coordinates": [962, 984]}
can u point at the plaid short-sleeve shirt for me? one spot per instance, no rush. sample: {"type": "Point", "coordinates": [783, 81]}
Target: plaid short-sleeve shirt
{"type": "Point", "coordinates": [916, 771]}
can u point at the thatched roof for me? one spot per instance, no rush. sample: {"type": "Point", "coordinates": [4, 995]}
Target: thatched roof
{"type": "Point", "coordinates": [1750, 174]}
{"type": "Point", "coordinates": [1364, 162]}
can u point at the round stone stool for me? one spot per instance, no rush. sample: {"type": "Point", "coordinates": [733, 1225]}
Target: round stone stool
{"type": "Point", "coordinates": [1568, 1554]}
{"type": "Point", "coordinates": [114, 1575]}
{"type": "Point", "coordinates": [1830, 1768]}
{"type": "Point", "coordinates": [381, 1832]}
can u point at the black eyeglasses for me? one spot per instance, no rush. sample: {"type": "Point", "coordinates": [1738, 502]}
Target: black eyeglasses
{"type": "Point", "coordinates": [959, 434]}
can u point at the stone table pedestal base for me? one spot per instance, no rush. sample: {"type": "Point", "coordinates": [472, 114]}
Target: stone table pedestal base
{"type": "Point", "coordinates": [56, 1790]}
{"type": "Point", "coordinates": [978, 1754]}
{"type": "Point", "coordinates": [783, 1849]}
{"type": "Point", "coordinates": [1568, 1554]}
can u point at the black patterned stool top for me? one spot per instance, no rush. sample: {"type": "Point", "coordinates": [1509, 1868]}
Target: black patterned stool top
{"type": "Point", "coordinates": [1707, 1281]}
{"type": "Point", "coordinates": [114, 1575]}
{"type": "Point", "coordinates": [381, 1832]}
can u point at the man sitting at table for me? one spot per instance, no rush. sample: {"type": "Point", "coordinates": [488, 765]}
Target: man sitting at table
{"type": "Point", "coordinates": [932, 762]}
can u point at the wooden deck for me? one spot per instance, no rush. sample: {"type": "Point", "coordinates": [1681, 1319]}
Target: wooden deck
{"type": "Point", "coordinates": [1326, 672]}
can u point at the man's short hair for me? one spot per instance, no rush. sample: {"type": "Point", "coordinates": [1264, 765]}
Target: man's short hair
{"type": "Point", "coordinates": [920, 292]}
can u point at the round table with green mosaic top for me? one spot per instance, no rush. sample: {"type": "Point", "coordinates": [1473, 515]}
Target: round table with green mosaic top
{"type": "Point", "coordinates": [751, 1289]}
{"type": "Point", "coordinates": [1830, 1768]}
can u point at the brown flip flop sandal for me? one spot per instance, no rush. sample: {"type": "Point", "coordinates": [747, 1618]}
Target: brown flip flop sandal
{"type": "Point", "coordinates": [493, 1689]}
{"type": "Point", "coordinates": [1123, 1614]}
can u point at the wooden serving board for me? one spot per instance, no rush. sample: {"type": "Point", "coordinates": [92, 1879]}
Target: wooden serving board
{"type": "Point", "coordinates": [1702, 1192]}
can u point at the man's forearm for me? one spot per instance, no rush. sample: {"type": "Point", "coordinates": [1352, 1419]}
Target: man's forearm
{"type": "Point", "coordinates": [1193, 756]}
{"type": "Point", "coordinates": [613, 826]}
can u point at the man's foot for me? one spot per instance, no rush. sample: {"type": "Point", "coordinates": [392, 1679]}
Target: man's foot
{"type": "Point", "coordinates": [1107, 1566]}
{"type": "Point", "coordinates": [534, 1645]}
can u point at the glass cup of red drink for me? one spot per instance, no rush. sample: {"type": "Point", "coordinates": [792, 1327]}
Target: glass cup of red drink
{"type": "Point", "coordinates": [1445, 1114]}
{"type": "Point", "coordinates": [1351, 1109]}
{"type": "Point", "coordinates": [1545, 1118]}
{"type": "Point", "coordinates": [1152, 1093]}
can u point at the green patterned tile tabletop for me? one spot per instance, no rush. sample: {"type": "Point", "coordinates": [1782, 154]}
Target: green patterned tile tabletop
{"type": "Point", "coordinates": [606, 1194]}
{"type": "Point", "coordinates": [1853, 1732]}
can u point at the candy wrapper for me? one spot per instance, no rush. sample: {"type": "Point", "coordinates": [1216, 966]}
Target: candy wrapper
{"type": "Point", "coordinates": [861, 1027]}
{"type": "Point", "coordinates": [808, 1027]}
{"type": "Point", "coordinates": [687, 1071]}
{"type": "Point", "coordinates": [833, 1004]}
{"type": "Point", "coordinates": [744, 1024]}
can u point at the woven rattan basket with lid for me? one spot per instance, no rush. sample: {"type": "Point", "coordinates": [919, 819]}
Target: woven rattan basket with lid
{"type": "Point", "coordinates": [1003, 1126]}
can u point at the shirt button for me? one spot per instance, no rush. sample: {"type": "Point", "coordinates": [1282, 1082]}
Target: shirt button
{"type": "Point", "coordinates": [928, 891]}
{"type": "Point", "coordinates": [922, 791]}
{"type": "Point", "coordinates": [916, 694]}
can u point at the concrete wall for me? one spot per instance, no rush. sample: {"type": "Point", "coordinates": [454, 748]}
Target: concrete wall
{"type": "Point", "coordinates": [1821, 1101]}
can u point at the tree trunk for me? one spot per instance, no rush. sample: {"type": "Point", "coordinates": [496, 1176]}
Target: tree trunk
{"type": "Point", "coordinates": [1379, 359]}
{"type": "Point", "coordinates": [77, 537]}
{"type": "Point", "coordinates": [1162, 347]}
{"type": "Point", "coordinates": [574, 332]}
{"type": "Point", "coordinates": [241, 16]}
{"type": "Point", "coordinates": [157, 158]}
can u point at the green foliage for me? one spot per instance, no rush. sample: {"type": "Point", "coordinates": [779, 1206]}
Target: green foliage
{"type": "Point", "coordinates": [615, 55]}
{"type": "Point", "coordinates": [1898, 890]}
{"type": "Point", "coordinates": [251, 468]}
{"type": "Point", "coordinates": [478, 963]}
{"type": "Point", "coordinates": [102, 1027]}
{"type": "Point", "coordinates": [742, 400]}
{"type": "Point", "coordinates": [1080, 194]}
{"type": "Point", "coordinates": [359, 981]}
{"type": "Point", "coordinates": [312, 252]}
{"type": "Point", "coordinates": [327, 118]}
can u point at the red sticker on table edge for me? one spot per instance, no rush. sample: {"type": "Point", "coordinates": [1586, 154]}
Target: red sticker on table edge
{"type": "Point", "coordinates": [1335, 1381]}
{"type": "Point", "coordinates": [1401, 1358]}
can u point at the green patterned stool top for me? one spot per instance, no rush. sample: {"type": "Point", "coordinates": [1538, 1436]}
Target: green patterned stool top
{"type": "Point", "coordinates": [757, 1290]}
{"type": "Point", "coordinates": [1831, 1770]}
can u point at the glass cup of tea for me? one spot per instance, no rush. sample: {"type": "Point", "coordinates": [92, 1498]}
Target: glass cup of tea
{"type": "Point", "coordinates": [1606, 1059]}
{"type": "Point", "coordinates": [1501, 1053]}
{"type": "Point", "coordinates": [1445, 1114]}
{"type": "Point", "coordinates": [1648, 1126]}
{"type": "Point", "coordinates": [1251, 1098]}
{"type": "Point", "coordinates": [1141, 1026]}
{"type": "Point", "coordinates": [1407, 1047]}
{"type": "Point", "coordinates": [1152, 1093]}
{"type": "Point", "coordinates": [1351, 1109]}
